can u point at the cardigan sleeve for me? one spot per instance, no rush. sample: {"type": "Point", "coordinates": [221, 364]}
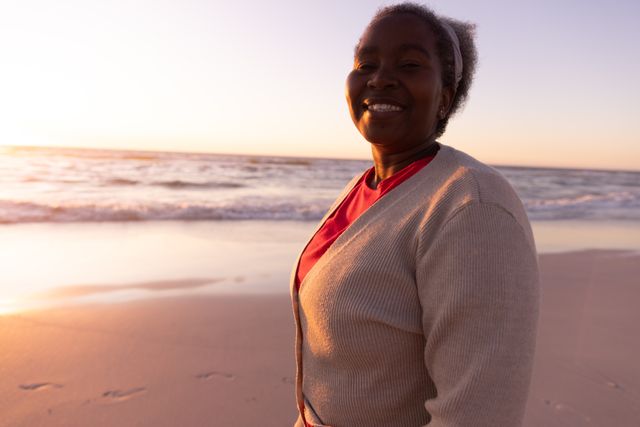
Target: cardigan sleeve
{"type": "Point", "coordinates": [478, 286]}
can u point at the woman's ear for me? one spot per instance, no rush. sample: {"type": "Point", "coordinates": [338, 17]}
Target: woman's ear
{"type": "Point", "coordinates": [446, 101]}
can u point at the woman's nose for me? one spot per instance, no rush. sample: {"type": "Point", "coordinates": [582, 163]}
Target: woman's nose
{"type": "Point", "coordinates": [382, 78]}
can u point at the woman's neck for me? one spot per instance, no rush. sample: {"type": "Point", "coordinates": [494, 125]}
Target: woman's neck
{"type": "Point", "coordinates": [387, 164]}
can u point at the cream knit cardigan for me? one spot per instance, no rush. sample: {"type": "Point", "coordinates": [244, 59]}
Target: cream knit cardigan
{"type": "Point", "coordinates": [424, 311]}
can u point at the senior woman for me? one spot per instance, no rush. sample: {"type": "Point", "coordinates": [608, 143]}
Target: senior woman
{"type": "Point", "coordinates": [416, 299]}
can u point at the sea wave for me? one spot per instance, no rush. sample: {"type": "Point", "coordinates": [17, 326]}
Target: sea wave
{"type": "Point", "coordinates": [12, 212]}
{"type": "Point", "coordinates": [290, 161]}
{"type": "Point", "coordinates": [620, 205]}
{"type": "Point", "coordinates": [80, 185]}
{"type": "Point", "coordinates": [176, 184]}
{"type": "Point", "coordinates": [615, 206]}
{"type": "Point", "coordinates": [585, 199]}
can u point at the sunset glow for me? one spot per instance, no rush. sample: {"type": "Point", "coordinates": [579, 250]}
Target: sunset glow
{"type": "Point", "coordinates": [166, 165]}
{"type": "Point", "coordinates": [267, 78]}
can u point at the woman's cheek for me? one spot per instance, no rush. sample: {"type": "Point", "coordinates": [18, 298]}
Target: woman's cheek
{"type": "Point", "coordinates": [353, 89]}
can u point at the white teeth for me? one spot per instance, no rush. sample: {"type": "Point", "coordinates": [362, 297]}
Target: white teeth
{"type": "Point", "coordinates": [383, 107]}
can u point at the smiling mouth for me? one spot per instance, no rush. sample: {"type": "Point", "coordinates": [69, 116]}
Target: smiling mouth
{"type": "Point", "coordinates": [381, 107]}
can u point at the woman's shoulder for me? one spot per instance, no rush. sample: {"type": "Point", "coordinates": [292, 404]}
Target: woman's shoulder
{"type": "Point", "coordinates": [455, 180]}
{"type": "Point", "coordinates": [479, 175]}
{"type": "Point", "coordinates": [458, 172]}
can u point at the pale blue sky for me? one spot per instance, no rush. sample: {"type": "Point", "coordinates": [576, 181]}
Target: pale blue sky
{"type": "Point", "coordinates": [555, 85]}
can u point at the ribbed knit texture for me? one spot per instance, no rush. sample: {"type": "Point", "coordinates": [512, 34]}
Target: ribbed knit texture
{"type": "Point", "coordinates": [424, 311]}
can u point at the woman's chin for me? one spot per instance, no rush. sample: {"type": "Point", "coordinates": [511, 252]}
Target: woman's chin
{"type": "Point", "coordinates": [381, 139]}
{"type": "Point", "coordinates": [389, 143]}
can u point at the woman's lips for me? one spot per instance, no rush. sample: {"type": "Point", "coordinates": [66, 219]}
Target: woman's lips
{"type": "Point", "coordinates": [382, 108]}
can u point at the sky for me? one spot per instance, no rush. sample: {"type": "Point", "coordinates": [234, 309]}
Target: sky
{"type": "Point", "coordinates": [556, 83]}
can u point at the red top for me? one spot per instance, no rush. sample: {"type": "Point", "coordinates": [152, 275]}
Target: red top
{"type": "Point", "coordinates": [359, 199]}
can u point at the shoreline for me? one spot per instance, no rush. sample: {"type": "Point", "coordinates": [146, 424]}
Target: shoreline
{"type": "Point", "coordinates": [127, 261]}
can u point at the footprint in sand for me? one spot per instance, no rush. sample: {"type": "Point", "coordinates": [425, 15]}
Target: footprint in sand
{"type": "Point", "coordinates": [215, 374]}
{"type": "Point", "coordinates": [120, 395]}
{"type": "Point", "coordinates": [567, 409]}
{"type": "Point", "coordinates": [39, 386]}
{"type": "Point", "coordinates": [613, 384]}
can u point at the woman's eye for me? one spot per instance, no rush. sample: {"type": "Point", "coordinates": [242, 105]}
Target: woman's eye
{"type": "Point", "coordinates": [365, 66]}
{"type": "Point", "coordinates": [410, 65]}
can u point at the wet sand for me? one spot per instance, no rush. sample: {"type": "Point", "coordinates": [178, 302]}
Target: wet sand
{"type": "Point", "coordinates": [227, 360]}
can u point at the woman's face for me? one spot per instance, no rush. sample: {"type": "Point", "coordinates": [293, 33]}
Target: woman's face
{"type": "Point", "coordinates": [395, 89]}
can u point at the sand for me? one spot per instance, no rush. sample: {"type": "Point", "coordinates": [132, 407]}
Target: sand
{"type": "Point", "coordinates": [586, 368]}
{"type": "Point", "coordinates": [211, 361]}
{"type": "Point", "coordinates": [228, 360]}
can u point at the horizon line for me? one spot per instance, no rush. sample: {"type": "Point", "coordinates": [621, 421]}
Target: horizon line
{"type": "Point", "coordinates": [567, 168]}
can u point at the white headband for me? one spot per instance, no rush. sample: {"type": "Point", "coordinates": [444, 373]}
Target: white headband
{"type": "Point", "coordinates": [457, 56]}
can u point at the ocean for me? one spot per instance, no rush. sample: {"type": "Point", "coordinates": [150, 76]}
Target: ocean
{"type": "Point", "coordinates": [61, 185]}
{"type": "Point", "coordinates": [81, 226]}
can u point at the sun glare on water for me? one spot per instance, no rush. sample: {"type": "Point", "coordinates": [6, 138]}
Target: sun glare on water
{"type": "Point", "coordinates": [9, 306]}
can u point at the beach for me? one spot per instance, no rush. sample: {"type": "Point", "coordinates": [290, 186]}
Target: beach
{"type": "Point", "coordinates": [207, 361]}
{"type": "Point", "coordinates": [219, 352]}
{"type": "Point", "coordinates": [164, 166]}
{"type": "Point", "coordinates": [585, 371]}
{"type": "Point", "coordinates": [152, 289]}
